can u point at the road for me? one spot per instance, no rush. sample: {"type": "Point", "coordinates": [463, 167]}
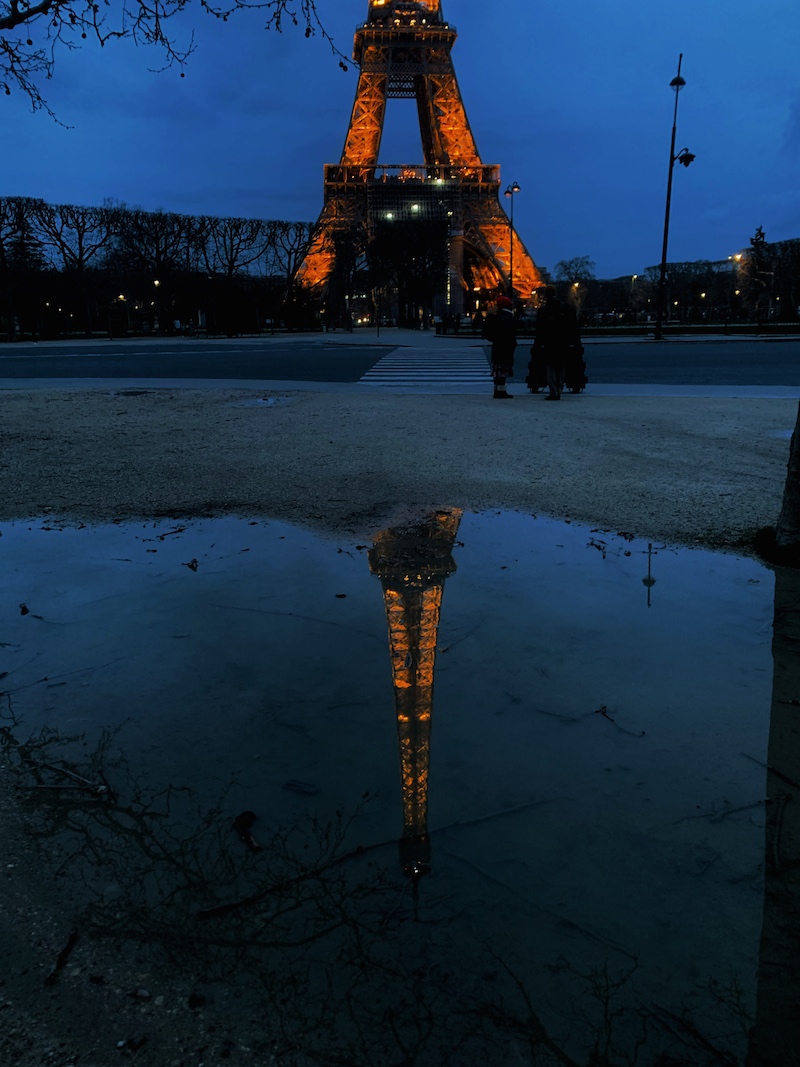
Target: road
{"type": "Point", "coordinates": [347, 359]}
{"type": "Point", "coordinates": [269, 359]}
{"type": "Point", "coordinates": [745, 362]}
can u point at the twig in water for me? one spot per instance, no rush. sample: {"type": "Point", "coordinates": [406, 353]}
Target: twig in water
{"type": "Point", "coordinates": [772, 770]}
{"type": "Point", "coordinates": [603, 710]}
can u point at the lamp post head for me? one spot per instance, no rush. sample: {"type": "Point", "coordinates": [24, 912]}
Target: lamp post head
{"type": "Point", "coordinates": [677, 83]}
{"type": "Point", "coordinates": [513, 188]}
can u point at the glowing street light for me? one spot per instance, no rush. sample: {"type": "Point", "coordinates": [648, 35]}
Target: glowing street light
{"type": "Point", "coordinates": [684, 157]}
{"type": "Point", "coordinates": [510, 191]}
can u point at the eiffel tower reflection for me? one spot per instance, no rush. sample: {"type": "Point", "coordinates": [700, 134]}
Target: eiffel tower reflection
{"type": "Point", "coordinates": [412, 562]}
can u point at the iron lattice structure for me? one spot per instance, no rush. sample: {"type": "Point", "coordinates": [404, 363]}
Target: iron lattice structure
{"type": "Point", "coordinates": [412, 563]}
{"type": "Point", "coordinates": [403, 50]}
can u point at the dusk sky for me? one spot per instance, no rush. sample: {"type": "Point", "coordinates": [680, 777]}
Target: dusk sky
{"type": "Point", "coordinates": [572, 100]}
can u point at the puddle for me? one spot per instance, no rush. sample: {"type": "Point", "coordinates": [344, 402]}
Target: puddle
{"type": "Point", "coordinates": [561, 844]}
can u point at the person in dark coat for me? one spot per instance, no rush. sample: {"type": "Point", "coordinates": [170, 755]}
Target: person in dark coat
{"type": "Point", "coordinates": [501, 330]}
{"type": "Point", "coordinates": [557, 340]}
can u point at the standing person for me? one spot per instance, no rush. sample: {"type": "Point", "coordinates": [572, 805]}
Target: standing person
{"type": "Point", "coordinates": [501, 330]}
{"type": "Point", "coordinates": [557, 340]}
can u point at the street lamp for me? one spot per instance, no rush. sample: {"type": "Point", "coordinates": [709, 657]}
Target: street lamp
{"type": "Point", "coordinates": [513, 188]}
{"type": "Point", "coordinates": [684, 157]}
{"type": "Point", "coordinates": [734, 261]}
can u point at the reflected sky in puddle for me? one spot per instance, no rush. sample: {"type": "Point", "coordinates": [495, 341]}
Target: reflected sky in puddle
{"type": "Point", "coordinates": [581, 793]}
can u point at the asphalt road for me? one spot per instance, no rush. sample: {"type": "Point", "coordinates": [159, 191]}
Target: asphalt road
{"type": "Point", "coordinates": [746, 362]}
{"type": "Point", "coordinates": [268, 359]}
{"type": "Point", "coordinates": [740, 362]}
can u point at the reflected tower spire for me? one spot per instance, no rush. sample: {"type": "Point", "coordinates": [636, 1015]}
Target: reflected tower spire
{"type": "Point", "coordinates": [412, 563]}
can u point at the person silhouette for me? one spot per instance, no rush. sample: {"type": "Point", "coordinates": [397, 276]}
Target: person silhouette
{"type": "Point", "coordinates": [557, 340]}
{"type": "Point", "coordinates": [501, 330]}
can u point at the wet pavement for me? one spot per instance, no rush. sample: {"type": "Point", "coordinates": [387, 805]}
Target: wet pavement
{"type": "Point", "coordinates": [490, 788]}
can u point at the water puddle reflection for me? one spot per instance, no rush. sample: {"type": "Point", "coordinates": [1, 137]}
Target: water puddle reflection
{"type": "Point", "coordinates": [572, 857]}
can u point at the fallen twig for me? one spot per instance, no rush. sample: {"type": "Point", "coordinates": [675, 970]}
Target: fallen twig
{"type": "Point", "coordinates": [63, 956]}
{"type": "Point", "coordinates": [99, 789]}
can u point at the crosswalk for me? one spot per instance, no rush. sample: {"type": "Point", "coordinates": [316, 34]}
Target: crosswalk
{"type": "Point", "coordinates": [431, 370]}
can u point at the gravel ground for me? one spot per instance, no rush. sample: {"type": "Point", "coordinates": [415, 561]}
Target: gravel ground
{"type": "Point", "coordinates": [687, 471]}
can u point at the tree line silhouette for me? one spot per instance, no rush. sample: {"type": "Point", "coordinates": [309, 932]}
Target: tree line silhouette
{"type": "Point", "coordinates": [67, 270]}
{"type": "Point", "coordinates": [114, 270]}
{"type": "Point", "coordinates": [759, 284]}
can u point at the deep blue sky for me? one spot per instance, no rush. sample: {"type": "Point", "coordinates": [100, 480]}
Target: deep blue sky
{"type": "Point", "coordinates": [572, 100]}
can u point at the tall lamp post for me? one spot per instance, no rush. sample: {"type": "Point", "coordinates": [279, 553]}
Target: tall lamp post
{"type": "Point", "coordinates": [684, 157]}
{"type": "Point", "coordinates": [510, 191]}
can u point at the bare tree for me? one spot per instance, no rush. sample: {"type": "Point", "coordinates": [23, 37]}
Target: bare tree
{"type": "Point", "coordinates": [20, 251]}
{"type": "Point", "coordinates": [577, 272]}
{"type": "Point", "coordinates": [32, 31]}
{"type": "Point", "coordinates": [157, 246]}
{"type": "Point", "coordinates": [289, 250]}
{"type": "Point", "coordinates": [757, 276]}
{"type": "Point", "coordinates": [579, 269]}
{"type": "Point", "coordinates": [231, 245]}
{"type": "Point", "coordinates": [229, 248]}
{"type": "Point", "coordinates": [75, 236]}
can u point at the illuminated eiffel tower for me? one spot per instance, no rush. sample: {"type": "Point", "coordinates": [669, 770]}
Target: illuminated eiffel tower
{"type": "Point", "coordinates": [412, 562]}
{"type": "Point", "coordinates": [403, 50]}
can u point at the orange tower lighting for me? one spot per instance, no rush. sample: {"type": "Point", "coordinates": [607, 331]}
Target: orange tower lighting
{"type": "Point", "coordinates": [403, 49]}
{"type": "Point", "coordinates": [413, 562]}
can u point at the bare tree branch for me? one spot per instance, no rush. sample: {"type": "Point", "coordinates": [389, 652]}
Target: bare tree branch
{"type": "Point", "coordinates": [26, 61]}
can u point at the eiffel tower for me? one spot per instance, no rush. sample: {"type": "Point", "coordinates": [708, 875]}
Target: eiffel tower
{"type": "Point", "coordinates": [403, 50]}
{"type": "Point", "coordinates": [412, 562]}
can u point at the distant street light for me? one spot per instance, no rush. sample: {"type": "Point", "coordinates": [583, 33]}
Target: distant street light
{"type": "Point", "coordinates": [684, 157]}
{"type": "Point", "coordinates": [734, 261]}
{"type": "Point", "coordinates": [510, 191]}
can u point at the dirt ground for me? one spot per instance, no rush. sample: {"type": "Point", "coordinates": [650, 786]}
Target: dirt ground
{"type": "Point", "coordinates": [688, 471]}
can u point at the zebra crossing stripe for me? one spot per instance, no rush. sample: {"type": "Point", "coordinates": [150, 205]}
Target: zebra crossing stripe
{"type": "Point", "coordinates": [403, 367]}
